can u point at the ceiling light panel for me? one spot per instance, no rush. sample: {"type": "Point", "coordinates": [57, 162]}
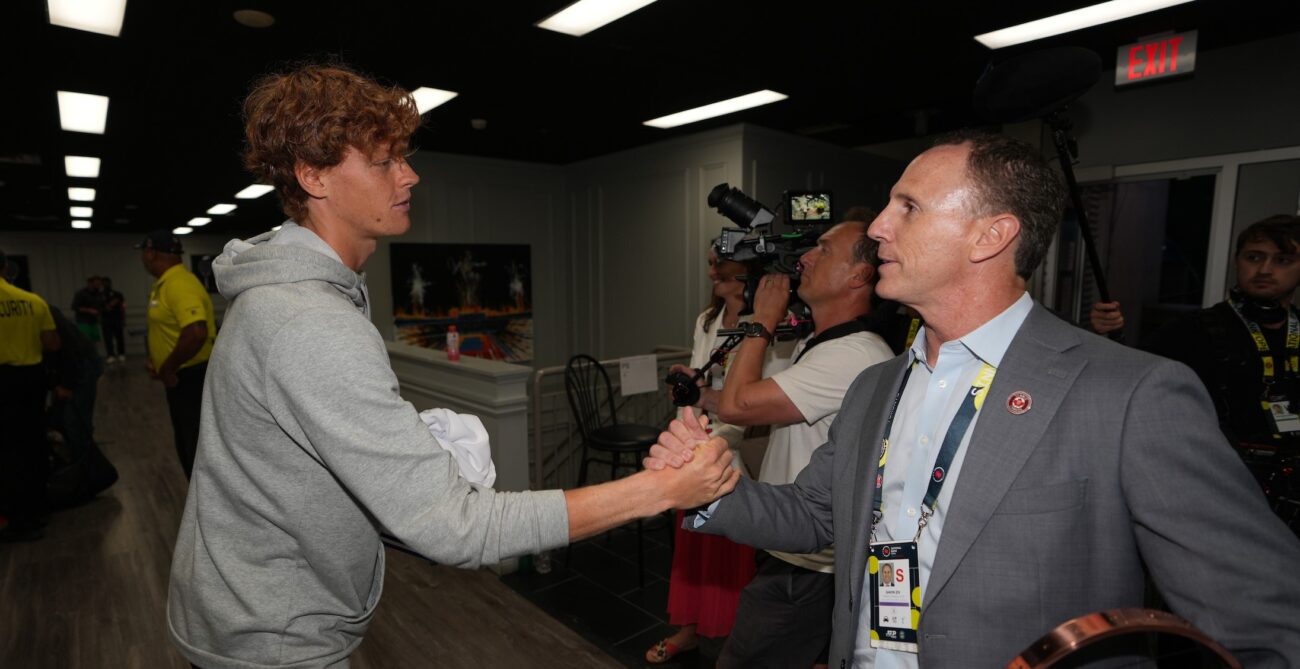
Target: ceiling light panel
{"type": "Point", "coordinates": [427, 98]}
{"type": "Point", "coordinates": [81, 166]}
{"type": "Point", "coordinates": [81, 194]}
{"type": "Point", "coordinates": [83, 112]}
{"type": "Point", "coordinates": [96, 16]}
{"type": "Point", "coordinates": [220, 209]}
{"type": "Point", "coordinates": [253, 192]}
{"type": "Point", "coordinates": [81, 225]}
{"type": "Point", "coordinates": [1078, 19]}
{"type": "Point", "coordinates": [585, 16]}
{"type": "Point", "coordinates": [81, 212]}
{"type": "Point", "coordinates": [199, 221]}
{"type": "Point", "coordinates": [717, 109]}
{"type": "Point", "coordinates": [181, 231]}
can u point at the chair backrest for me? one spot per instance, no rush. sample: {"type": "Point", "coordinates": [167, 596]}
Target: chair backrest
{"type": "Point", "coordinates": [590, 394]}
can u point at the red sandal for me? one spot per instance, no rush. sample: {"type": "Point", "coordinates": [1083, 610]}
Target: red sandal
{"type": "Point", "coordinates": [665, 651]}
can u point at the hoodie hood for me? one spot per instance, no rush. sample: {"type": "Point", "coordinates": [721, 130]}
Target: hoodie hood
{"type": "Point", "coordinates": [258, 261]}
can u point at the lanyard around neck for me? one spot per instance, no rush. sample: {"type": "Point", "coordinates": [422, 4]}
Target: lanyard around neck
{"type": "Point", "coordinates": [957, 429]}
{"type": "Point", "coordinates": [1292, 347]}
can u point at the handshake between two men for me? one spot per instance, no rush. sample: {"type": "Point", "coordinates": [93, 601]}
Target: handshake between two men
{"type": "Point", "coordinates": [686, 469]}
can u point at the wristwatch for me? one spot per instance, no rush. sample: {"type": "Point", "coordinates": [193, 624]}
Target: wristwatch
{"type": "Point", "coordinates": [757, 330]}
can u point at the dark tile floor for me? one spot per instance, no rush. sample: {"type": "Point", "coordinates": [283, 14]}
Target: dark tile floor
{"type": "Point", "coordinates": [594, 590]}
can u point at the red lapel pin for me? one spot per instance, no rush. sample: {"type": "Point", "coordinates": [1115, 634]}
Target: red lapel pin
{"type": "Point", "coordinates": [1019, 402]}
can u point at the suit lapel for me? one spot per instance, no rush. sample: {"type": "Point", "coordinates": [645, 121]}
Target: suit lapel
{"type": "Point", "coordinates": [1002, 441]}
{"type": "Point", "coordinates": [867, 457]}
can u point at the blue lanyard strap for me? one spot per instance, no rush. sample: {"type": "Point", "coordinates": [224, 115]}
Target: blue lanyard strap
{"type": "Point", "coordinates": [957, 429]}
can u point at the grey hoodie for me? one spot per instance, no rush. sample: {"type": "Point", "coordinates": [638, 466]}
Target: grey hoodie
{"type": "Point", "coordinates": [306, 452]}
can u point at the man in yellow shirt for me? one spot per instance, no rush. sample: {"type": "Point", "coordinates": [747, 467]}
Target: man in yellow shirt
{"type": "Point", "coordinates": [182, 327]}
{"type": "Point", "coordinates": [26, 332]}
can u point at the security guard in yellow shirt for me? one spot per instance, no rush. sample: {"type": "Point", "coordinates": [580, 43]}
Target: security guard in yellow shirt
{"type": "Point", "coordinates": [26, 332]}
{"type": "Point", "coordinates": [182, 328]}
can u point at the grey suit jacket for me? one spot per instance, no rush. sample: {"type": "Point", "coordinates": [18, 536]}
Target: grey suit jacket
{"type": "Point", "coordinates": [1119, 463]}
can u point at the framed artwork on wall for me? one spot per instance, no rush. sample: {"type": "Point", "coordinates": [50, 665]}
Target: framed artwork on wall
{"type": "Point", "coordinates": [485, 290]}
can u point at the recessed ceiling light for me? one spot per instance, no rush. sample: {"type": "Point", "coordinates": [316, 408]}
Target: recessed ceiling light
{"type": "Point", "coordinates": [220, 209]}
{"type": "Point", "coordinates": [81, 166]}
{"type": "Point", "coordinates": [1078, 19]}
{"type": "Point", "coordinates": [81, 194]}
{"type": "Point", "coordinates": [585, 16]}
{"type": "Point", "coordinates": [81, 225]}
{"type": "Point", "coordinates": [254, 191]}
{"type": "Point", "coordinates": [96, 16]}
{"type": "Point", "coordinates": [181, 230]}
{"type": "Point", "coordinates": [427, 98]}
{"type": "Point", "coordinates": [83, 112]}
{"type": "Point", "coordinates": [199, 221]}
{"type": "Point", "coordinates": [717, 109]}
{"type": "Point", "coordinates": [254, 18]}
{"type": "Point", "coordinates": [81, 212]}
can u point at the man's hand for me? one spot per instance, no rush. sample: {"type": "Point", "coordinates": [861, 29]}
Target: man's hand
{"type": "Point", "coordinates": [153, 373]}
{"type": "Point", "coordinates": [708, 476]}
{"type": "Point", "coordinates": [771, 299]}
{"type": "Point", "coordinates": [1106, 317]}
{"type": "Point", "coordinates": [169, 378]}
{"type": "Point", "coordinates": [676, 446]}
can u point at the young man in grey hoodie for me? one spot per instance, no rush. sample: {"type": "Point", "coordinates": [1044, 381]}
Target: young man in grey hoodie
{"type": "Point", "coordinates": [306, 450]}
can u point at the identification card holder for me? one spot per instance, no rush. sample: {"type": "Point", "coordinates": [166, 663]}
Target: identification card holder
{"type": "Point", "coordinates": [893, 570]}
{"type": "Point", "coordinates": [1284, 420]}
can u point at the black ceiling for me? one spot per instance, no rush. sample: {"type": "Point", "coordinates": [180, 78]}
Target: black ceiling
{"type": "Point", "coordinates": [856, 73]}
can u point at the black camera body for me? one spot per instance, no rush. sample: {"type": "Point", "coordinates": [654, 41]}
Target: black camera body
{"type": "Point", "coordinates": [778, 241]}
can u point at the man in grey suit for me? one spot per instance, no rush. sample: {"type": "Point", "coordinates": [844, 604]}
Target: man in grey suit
{"type": "Point", "coordinates": [1025, 468]}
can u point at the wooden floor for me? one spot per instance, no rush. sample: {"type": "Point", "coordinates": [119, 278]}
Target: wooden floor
{"type": "Point", "coordinates": [93, 592]}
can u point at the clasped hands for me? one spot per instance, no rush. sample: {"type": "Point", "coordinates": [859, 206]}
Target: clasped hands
{"type": "Point", "coordinates": [693, 469]}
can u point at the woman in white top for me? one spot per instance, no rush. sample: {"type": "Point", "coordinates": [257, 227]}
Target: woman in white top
{"type": "Point", "coordinates": [709, 572]}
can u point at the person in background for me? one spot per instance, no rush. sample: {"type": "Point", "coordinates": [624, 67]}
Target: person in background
{"type": "Point", "coordinates": [709, 572]}
{"type": "Point", "coordinates": [88, 309]}
{"type": "Point", "coordinates": [182, 328]}
{"type": "Point", "coordinates": [783, 614]}
{"type": "Point", "coordinates": [27, 334]}
{"type": "Point", "coordinates": [113, 323]}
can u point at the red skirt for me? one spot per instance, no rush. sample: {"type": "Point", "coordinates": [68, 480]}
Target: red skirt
{"type": "Point", "coordinates": [708, 574]}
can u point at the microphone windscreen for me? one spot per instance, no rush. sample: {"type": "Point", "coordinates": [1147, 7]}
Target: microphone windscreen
{"type": "Point", "coordinates": [1035, 84]}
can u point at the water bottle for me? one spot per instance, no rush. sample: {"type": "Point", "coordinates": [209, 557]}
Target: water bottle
{"type": "Point", "coordinates": [453, 344]}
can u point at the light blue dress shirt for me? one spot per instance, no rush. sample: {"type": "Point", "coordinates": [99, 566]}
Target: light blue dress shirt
{"type": "Point", "coordinates": [929, 402]}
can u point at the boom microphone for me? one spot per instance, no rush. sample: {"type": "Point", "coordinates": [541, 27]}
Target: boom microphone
{"type": "Point", "coordinates": [1035, 84]}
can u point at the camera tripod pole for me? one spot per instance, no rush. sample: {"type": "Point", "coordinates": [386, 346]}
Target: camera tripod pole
{"type": "Point", "coordinates": [1066, 150]}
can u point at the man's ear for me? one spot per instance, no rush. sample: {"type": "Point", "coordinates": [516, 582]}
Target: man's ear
{"type": "Point", "coordinates": [864, 275]}
{"type": "Point", "coordinates": [996, 235]}
{"type": "Point", "coordinates": [310, 179]}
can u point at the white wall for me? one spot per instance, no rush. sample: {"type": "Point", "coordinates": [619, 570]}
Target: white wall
{"type": "Point", "coordinates": [467, 200]}
{"type": "Point", "coordinates": [641, 227]}
{"type": "Point", "coordinates": [59, 263]}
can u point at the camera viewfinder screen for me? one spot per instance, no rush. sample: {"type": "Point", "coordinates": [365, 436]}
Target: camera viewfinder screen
{"type": "Point", "coordinates": [810, 207]}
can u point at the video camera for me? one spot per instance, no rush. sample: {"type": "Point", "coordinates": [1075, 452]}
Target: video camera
{"type": "Point", "coordinates": [807, 214]}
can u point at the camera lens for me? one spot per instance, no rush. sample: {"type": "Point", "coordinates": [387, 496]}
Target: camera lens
{"type": "Point", "coordinates": [735, 205]}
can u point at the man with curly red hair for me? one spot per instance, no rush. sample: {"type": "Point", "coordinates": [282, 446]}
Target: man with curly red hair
{"type": "Point", "coordinates": [306, 449]}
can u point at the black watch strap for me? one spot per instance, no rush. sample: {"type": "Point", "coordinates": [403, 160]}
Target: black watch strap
{"type": "Point", "coordinates": [758, 330]}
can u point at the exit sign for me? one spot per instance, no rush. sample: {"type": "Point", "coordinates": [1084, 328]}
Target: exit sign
{"type": "Point", "coordinates": [1154, 58]}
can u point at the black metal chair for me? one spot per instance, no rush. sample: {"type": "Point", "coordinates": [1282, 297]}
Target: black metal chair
{"type": "Point", "coordinates": [591, 397]}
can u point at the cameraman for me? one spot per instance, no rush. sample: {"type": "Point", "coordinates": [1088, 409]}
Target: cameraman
{"type": "Point", "coordinates": [785, 612]}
